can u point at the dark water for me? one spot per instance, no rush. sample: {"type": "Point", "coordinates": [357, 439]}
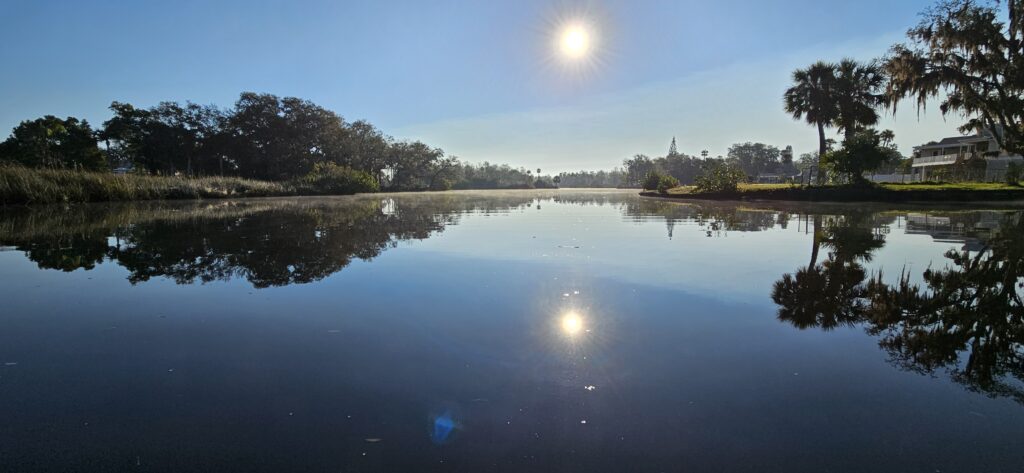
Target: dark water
{"type": "Point", "coordinates": [518, 331]}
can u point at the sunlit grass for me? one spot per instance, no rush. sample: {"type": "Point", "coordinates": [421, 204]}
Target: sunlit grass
{"type": "Point", "coordinates": [742, 188]}
{"type": "Point", "coordinates": [960, 186]}
{"type": "Point", "coordinates": [19, 185]}
{"type": "Point", "coordinates": [955, 186]}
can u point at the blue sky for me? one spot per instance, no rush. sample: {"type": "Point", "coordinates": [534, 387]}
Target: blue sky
{"type": "Point", "coordinates": [478, 79]}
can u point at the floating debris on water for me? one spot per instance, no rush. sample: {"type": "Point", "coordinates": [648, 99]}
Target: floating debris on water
{"type": "Point", "coordinates": [590, 387]}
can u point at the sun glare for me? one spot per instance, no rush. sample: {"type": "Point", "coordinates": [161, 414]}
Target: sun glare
{"type": "Point", "coordinates": [575, 41]}
{"type": "Point", "coordinates": [572, 324]}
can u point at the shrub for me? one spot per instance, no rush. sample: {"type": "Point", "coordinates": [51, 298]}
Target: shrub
{"type": "Point", "coordinates": [667, 182]}
{"type": "Point", "coordinates": [720, 177]}
{"type": "Point", "coordinates": [866, 151]}
{"type": "Point", "coordinates": [1013, 173]}
{"type": "Point", "coordinates": [331, 179]}
{"type": "Point", "coordinates": [651, 180]}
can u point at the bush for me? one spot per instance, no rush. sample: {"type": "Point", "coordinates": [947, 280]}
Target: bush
{"type": "Point", "coordinates": [651, 180]}
{"type": "Point", "coordinates": [1013, 174]}
{"type": "Point", "coordinates": [667, 182]}
{"type": "Point", "coordinates": [866, 151]}
{"type": "Point", "coordinates": [720, 177]}
{"type": "Point", "coordinates": [331, 179]}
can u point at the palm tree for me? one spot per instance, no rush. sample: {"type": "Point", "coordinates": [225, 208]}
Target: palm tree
{"type": "Point", "coordinates": [858, 93]}
{"type": "Point", "coordinates": [812, 98]}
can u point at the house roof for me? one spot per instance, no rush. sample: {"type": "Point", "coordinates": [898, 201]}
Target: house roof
{"type": "Point", "coordinates": [954, 141]}
{"type": "Point", "coordinates": [951, 141]}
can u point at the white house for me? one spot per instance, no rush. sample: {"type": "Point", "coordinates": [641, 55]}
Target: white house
{"type": "Point", "coordinates": [946, 152]}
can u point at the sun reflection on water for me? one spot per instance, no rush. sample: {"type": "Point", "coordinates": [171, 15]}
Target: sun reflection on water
{"type": "Point", "coordinates": [571, 323]}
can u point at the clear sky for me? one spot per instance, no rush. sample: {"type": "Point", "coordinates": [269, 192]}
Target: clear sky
{"type": "Point", "coordinates": [480, 79]}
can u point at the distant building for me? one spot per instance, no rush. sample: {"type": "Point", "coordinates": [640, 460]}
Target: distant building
{"type": "Point", "coordinates": [787, 155]}
{"type": "Point", "coordinates": [949, 151]}
{"type": "Point", "coordinates": [785, 173]}
{"type": "Point", "coordinates": [773, 178]}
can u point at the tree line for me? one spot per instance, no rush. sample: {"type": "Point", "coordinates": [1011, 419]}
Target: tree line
{"type": "Point", "coordinates": [747, 160]}
{"type": "Point", "coordinates": [262, 136]}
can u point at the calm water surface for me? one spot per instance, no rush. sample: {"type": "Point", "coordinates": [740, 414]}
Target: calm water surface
{"type": "Point", "coordinates": [510, 331]}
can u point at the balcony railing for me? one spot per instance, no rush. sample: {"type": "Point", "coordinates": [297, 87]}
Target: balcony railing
{"type": "Point", "coordinates": [935, 160]}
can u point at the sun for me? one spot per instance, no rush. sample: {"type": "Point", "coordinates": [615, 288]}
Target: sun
{"type": "Point", "coordinates": [574, 42]}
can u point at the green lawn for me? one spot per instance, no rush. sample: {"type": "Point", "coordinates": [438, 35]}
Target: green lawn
{"type": "Point", "coordinates": [743, 188]}
{"type": "Point", "coordinates": [957, 186]}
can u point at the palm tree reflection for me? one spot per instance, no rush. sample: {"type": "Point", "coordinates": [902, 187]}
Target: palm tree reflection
{"type": "Point", "coordinates": [967, 320]}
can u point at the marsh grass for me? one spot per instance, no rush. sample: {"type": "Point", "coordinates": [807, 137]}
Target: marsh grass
{"type": "Point", "coordinates": [21, 185]}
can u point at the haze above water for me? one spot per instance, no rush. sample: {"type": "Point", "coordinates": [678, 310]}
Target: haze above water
{"type": "Point", "coordinates": [510, 331]}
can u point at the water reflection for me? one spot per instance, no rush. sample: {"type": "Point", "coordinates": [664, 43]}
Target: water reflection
{"type": "Point", "coordinates": [267, 242]}
{"type": "Point", "coordinates": [571, 323]}
{"type": "Point", "coordinates": [964, 317]}
{"type": "Point", "coordinates": [490, 326]}
{"type": "Point", "coordinates": [967, 319]}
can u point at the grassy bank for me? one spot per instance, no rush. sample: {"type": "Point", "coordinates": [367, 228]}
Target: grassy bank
{"type": "Point", "coordinates": [20, 185]}
{"type": "Point", "coordinates": [917, 192]}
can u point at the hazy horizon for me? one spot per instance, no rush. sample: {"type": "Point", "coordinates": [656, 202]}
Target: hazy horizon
{"type": "Point", "coordinates": [479, 80]}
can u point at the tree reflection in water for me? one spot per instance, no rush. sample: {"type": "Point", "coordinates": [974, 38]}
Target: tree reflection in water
{"type": "Point", "coordinates": [967, 320]}
{"type": "Point", "coordinates": [267, 242]}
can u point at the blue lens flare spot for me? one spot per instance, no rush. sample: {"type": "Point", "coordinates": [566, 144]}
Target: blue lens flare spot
{"type": "Point", "coordinates": [443, 426]}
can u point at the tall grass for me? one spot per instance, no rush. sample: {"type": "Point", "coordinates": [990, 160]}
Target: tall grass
{"type": "Point", "coordinates": [21, 185]}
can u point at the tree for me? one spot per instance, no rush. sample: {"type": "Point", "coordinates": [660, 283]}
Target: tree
{"type": "Point", "coordinates": [637, 169]}
{"type": "Point", "coordinates": [443, 173]}
{"type": "Point", "coordinates": [865, 151]}
{"type": "Point", "coordinates": [281, 138]}
{"type": "Point", "coordinates": [962, 51]}
{"type": "Point", "coordinates": [168, 138]}
{"type": "Point", "coordinates": [754, 158]}
{"type": "Point", "coordinates": [680, 166]}
{"type": "Point", "coordinates": [51, 142]}
{"type": "Point", "coordinates": [672, 151]}
{"type": "Point", "coordinates": [811, 97]}
{"type": "Point", "coordinates": [409, 162]}
{"type": "Point", "coordinates": [808, 161]}
{"type": "Point", "coordinates": [858, 93]}
{"type": "Point", "coordinates": [365, 148]}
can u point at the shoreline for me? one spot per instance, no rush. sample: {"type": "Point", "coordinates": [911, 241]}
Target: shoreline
{"type": "Point", "coordinates": [852, 195]}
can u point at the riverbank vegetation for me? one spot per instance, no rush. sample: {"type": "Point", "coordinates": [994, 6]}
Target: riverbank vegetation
{"type": "Point", "coordinates": [22, 185]}
{"type": "Point", "coordinates": [286, 144]}
{"type": "Point", "coordinates": [915, 192]}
